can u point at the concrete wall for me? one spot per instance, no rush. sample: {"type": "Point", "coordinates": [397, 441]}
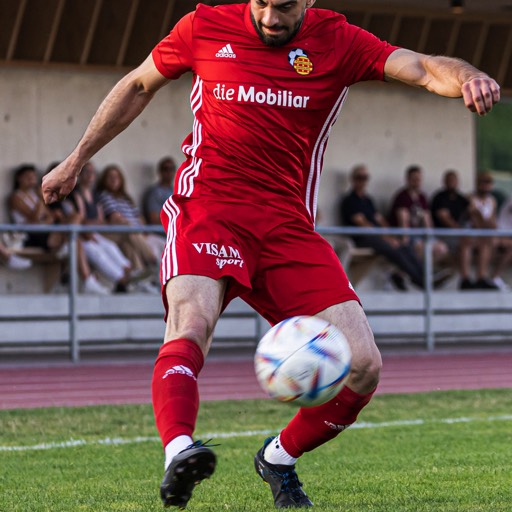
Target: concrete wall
{"type": "Point", "coordinates": [44, 112]}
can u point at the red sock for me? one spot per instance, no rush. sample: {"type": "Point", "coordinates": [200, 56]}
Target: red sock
{"type": "Point", "coordinates": [174, 388]}
{"type": "Point", "coordinates": [314, 426]}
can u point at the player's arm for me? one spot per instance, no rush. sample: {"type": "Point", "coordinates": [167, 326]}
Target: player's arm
{"type": "Point", "coordinates": [123, 104]}
{"type": "Point", "coordinates": [445, 76]}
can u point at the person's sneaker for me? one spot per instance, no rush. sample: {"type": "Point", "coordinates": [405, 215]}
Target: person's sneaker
{"type": "Point", "coordinates": [398, 281]}
{"type": "Point", "coordinates": [466, 284]}
{"type": "Point", "coordinates": [146, 287]}
{"type": "Point", "coordinates": [186, 470]}
{"type": "Point", "coordinates": [92, 285]}
{"type": "Point", "coordinates": [283, 480]}
{"type": "Point", "coordinates": [501, 284]}
{"type": "Point", "coordinates": [485, 284]}
{"type": "Point", "coordinates": [18, 263]}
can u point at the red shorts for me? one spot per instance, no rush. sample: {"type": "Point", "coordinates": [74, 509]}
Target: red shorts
{"type": "Point", "coordinates": [274, 259]}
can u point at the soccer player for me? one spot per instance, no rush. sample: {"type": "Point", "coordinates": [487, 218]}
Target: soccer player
{"type": "Point", "coordinates": [269, 80]}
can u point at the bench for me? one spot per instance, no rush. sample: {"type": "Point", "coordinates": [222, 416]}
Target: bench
{"type": "Point", "coordinates": [40, 278]}
{"type": "Point", "coordinates": [458, 317]}
{"type": "Point", "coordinates": [358, 262]}
{"type": "Point", "coordinates": [31, 324]}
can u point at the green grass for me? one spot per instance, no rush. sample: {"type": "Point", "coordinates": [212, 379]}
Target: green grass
{"type": "Point", "coordinates": [433, 466]}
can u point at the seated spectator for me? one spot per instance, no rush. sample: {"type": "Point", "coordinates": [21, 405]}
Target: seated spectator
{"type": "Point", "coordinates": [503, 256]}
{"type": "Point", "coordinates": [64, 212]}
{"type": "Point", "coordinates": [156, 195]}
{"type": "Point", "coordinates": [410, 209]}
{"type": "Point", "coordinates": [449, 209]}
{"type": "Point", "coordinates": [144, 251]}
{"type": "Point", "coordinates": [358, 209]}
{"type": "Point", "coordinates": [13, 261]}
{"type": "Point", "coordinates": [26, 206]}
{"type": "Point", "coordinates": [102, 253]}
{"type": "Point", "coordinates": [482, 214]}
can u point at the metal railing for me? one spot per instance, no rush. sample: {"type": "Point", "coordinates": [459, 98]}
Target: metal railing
{"type": "Point", "coordinates": [428, 235]}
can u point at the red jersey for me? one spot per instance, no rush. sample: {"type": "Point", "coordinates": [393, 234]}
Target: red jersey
{"type": "Point", "coordinates": [263, 115]}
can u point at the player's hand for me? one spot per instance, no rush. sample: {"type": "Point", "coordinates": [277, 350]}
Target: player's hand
{"type": "Point", "coordinates": [481, 94]}
{"type": "Point", "coordinates": [59, 182]}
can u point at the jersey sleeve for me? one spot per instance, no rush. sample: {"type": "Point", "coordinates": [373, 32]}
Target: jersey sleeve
{"type": "Point", "coordinates": [363, 55]}
{"type": "Point", "coordinates": [173, 54]}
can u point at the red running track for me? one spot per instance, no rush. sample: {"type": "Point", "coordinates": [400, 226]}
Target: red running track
{"type": "Point", "coordinates": [67, 385]}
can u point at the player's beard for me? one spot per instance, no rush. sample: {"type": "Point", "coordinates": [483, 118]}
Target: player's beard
{"type": "Point", "coordinates": [280, 40]}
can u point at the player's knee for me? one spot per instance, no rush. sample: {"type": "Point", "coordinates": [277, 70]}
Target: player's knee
{"type": "Point", "coordinates": [197, 329]}
{"type": "Point", "coordinates": [365, 373]}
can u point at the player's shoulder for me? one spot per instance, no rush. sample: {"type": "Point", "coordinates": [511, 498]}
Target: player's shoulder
{"type": "Point", "coordinates": [320, 18]}
{"type": "Point", "coordinates": [219, 12]}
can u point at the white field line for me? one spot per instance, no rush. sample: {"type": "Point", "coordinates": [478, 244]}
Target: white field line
{"type": "Point", "coordinates": [116, 441]}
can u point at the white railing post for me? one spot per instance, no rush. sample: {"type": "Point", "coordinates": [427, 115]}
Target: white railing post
{"type": "Point", "coordinates": [74, 342]}
{"type": "Point", "coordinates": [429, 273]}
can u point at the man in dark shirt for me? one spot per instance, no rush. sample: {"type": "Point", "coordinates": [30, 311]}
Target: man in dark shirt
{"type": "Point", "coordinates": [358, 209]}
{"type": "Point", "coordinates": [449, 207]}
{"type": "Point", "coordinates": [450, 210]}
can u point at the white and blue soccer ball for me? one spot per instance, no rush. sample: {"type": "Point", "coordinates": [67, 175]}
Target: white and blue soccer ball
{"type": "Point", "coordinates": [304, 360]}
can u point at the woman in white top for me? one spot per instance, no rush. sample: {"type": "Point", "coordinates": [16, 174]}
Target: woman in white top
{"type": "Point", "coordinates": [482, 214]}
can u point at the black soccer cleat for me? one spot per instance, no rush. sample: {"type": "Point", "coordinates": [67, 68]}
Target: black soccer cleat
{"type": "Point", "coordinates": [187, 469]}
{"type": "Point", "coordinates": [283, 480]}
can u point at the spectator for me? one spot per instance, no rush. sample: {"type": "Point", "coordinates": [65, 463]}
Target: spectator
{"type": "Point", "coordinates": [482, 215]}
{"type": "Point", "coordinates": [144, 251]}
{"type": "Point", "coordinates": [26, 206]}
{"type": "Point", "coordinates": [13, 261]}
{"type": "Point", "coordinates": [102, 253]}
{"type": "Point", "coordinates": [358, 209]}
{"type": "Point", "coordinates": [503, 245]}
{"type": "Point", "coordinates": [449, 209]}
{"type": "Point", "coordinates": [156, 195]}
{"type": "Point", "coordinates": [410, 209]}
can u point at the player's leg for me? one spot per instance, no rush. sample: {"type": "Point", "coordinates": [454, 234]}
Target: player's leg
{"type": "Point", "coordinates": [305, 277]}
{"type": "Point", "coordinates": [194, 305]}
{"type": "Point", "coordinates": [202, 240]}
{"type": "Point", "coordinates": [314, 426]}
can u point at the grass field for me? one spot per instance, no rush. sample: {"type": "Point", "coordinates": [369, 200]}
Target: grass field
{"type": "Point", "coordinates": [445, 451]}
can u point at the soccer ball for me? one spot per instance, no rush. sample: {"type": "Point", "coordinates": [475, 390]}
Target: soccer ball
{"type": "Point", "coordinates": [303, 359]}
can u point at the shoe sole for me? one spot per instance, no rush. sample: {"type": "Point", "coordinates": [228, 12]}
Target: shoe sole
{"type": "Point", "coordinates": [198, 464]}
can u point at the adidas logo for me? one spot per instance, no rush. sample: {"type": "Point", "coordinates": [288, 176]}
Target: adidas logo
{"type": "Point", "coordinates": [226, 52]}
{"type": "Point", "coordinates": [180, 370]}
{"type": "Point", "coordinates": [334, 426]}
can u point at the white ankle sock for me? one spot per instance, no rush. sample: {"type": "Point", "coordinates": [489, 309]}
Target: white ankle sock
{"type": "Point", "coordinates": [177, 445]}
{"type": "Point", "coordinates": [276, 454]}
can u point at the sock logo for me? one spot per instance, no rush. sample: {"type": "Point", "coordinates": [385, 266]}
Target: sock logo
{"type": "Point", "coordinates": [179, 370]}
{"type": "Point", "coordinates": [334, 426]}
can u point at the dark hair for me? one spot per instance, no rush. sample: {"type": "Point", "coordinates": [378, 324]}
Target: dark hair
{"type": "Point", "coordinates": [19, 171]}
{"type": "Point", "coordinates": [412, 169]}
{"type": "Point", "coordinates": [102, 183]}
{"type": "Point", "coordinates": [165, 160]}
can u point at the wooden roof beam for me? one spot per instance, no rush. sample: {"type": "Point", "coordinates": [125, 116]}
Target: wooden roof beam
{"type": "Point", "coordinates": [16, 30]}
{"type": "Point", "coordinates": [90, 33]}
